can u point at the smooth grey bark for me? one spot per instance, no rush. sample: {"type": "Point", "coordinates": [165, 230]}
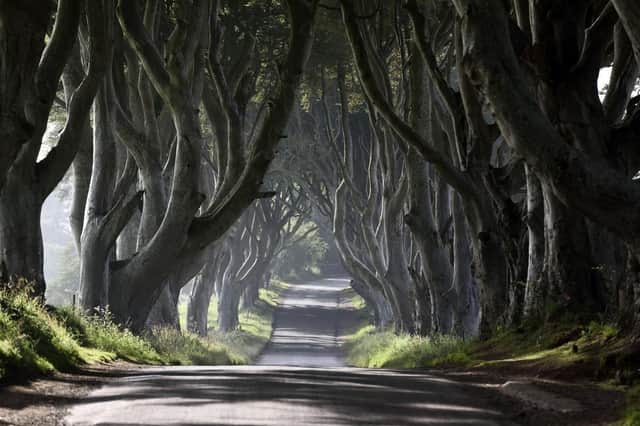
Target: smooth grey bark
{"type": "Point", "coordinates": [585, 183]}
{"type": "Point", "coordinates": [467, 303]}
{"type": "Point", "coordinates": [536, 286]}
{"type": "Point", "coordinates": [82, 163]}
{"type": "Point", "coordinates": [139, 283]}
{"type": "Point", "coordinates": [426, 228]}
{"type": "Point", "coordinates": [434, 257]}
{"type": "Point", "coordinates": [487, 233]}
{"type": "Point", "coordinates": [25, 182]}
{"type": "Point", "coordinates": [376, 302]}
{"type": "Point", "coordinates": [164, 313]}
{"type": "Point", "coordinates": [228, 307]}
{"type": "Point", "coordinates": [573, 283]}
{"type": "Point", "coordinates": [199, 301]}
{"type": "Point", "coordinates": [20, 234]}
{"type": "Point", "coordinates": [95, 249]}
{"type": "Point", "coordinates": [240, 252]}
{"type": "Point", "coordinates": [108, 207]}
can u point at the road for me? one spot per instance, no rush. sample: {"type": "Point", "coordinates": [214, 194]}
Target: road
{"type": "Point", "coordinates": [300, 379]}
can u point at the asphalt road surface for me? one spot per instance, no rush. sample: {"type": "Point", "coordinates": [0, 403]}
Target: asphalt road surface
{"type": "Point", "coordinates": [300, 379]}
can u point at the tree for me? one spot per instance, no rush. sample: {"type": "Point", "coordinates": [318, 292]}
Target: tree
{"type": "Point", "coordinates": [31, 70]}
{"type": "Point", "coordinates": [172, 238]}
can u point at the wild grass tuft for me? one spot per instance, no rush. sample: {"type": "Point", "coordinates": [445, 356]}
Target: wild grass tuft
{"type": "Point", "coordinates": [101, 332]}
{"type": "Point", "coordinates": [31, 340]}
{"type": "Point", "coordinates": [35, 339]}
{"type": "Point", "coordinates": [183, 348]}
{"type": "Point", "coordinates": [632, 413]}
{"type": "Point", "coordinates": [375, 349]}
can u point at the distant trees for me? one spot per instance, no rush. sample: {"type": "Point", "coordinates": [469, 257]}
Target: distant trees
{"type": "Point", "coordinates": [462, 154]}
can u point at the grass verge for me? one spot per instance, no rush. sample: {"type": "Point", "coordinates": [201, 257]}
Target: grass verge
{"type": "Point", "coordinates": [376, 349]}
{"type": "Point", "coordinates": [632, 412]}
{"type": "Point", "coordinates": [37, 339]}
{"type": "Point", "coordinates": [597, 353]}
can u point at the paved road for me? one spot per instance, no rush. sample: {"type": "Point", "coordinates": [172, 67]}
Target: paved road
{"type": "Point", "coordinates": [308, 325]}
{"type": "Point", "coordinates": [300, 380]}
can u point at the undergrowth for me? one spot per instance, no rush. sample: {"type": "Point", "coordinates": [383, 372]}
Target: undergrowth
{"type": "Point", "coordinates": [37, 339]}
{"type": "Point", "coordinates": [632, 412]}
{"type": "Point", "coordinates": [372, 349]}
{"type": "Point", "coordinates": [182, 348]}
{"type": "Point", "coordinates": [31, 340]}
{"type": "Point", "coordinates": [99, 331]}
{"type": "Point", "coordinates": [597, 352]}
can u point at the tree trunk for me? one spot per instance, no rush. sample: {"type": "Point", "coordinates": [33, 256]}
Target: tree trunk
{"type": "Point", "coordinates": [21, 255]}
{"type": "Point", "coordinates": [164, 313]}
{"type": "Point", "coordinates": [251, 293]}
{"type": "Point", "coordinates": [573, 281]}
{"type": "Point", "coordinates": [228, 307]}
{"type": "Point", "coordinates": [199, 301]}
{"type": "Point", "coordinates": [467, 317]}
{"type": "Point", "coordinates": [536, 286]}
{"type": "Point", "coordinates": [489, 268]}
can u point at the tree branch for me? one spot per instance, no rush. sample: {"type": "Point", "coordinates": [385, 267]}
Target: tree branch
{"type": "Point", "coordinates": [52, 168]}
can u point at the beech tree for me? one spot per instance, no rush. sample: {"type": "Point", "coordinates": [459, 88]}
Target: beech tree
{"type": "Point", "coordinates": [31, 68]}
{"type": "Point", "coordinates": [173, 235]}
{"type": "Point", "coordinates": [464, 155]}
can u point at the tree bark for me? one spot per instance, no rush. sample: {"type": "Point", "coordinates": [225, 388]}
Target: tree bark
{"type": "Point", "coordinates": [467, 304]}
{"type": "Point", "coordinates": [536, 286]}
{"type": "Point", "coordinates": [573, 281]}
{"type": "Point", "coordinates": [228, 307]}
{"type": "Point", "coordinates": [21, 255]}
{"type": "Point", "coordinates": [199, 301]}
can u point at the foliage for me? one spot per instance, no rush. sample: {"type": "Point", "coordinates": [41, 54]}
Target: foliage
{"type": "Point", "coordinates": [35, 339]}
{"type": "Point", "coordinates": [302, 259]}
{"type": "Point", "coordinates": [375, 349]}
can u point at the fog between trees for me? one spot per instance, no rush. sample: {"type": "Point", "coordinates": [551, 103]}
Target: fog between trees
{"type": "Point", "coordinates": [468, 163]}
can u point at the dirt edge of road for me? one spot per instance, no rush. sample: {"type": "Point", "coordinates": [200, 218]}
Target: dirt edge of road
{"type": "Point", "coordinates": [45, 401]}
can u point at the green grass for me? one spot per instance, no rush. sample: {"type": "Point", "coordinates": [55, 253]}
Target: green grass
{"type": "Point", "coordinates": [181, 348]}
{"type": "Point", "coordinates": [35, 339]}
{"type": "Point", "coordinates": [632, 412]}
{"type": "Point", "coordinates": [100, 332]}
{"type": "Point", "coordinates": [377, 349]}
{"type": "Point", "coordinates": [255, 327]}
{"type": "Point", "coordinates": [32, 341]}
{"type": "Point", "coordinates": [597, 346]}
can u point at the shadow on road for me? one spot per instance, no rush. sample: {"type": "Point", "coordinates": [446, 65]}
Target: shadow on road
{"type": "Point", "coordinates": [300, 380]}
{"type": "Point", "coordinates": [270, 396]}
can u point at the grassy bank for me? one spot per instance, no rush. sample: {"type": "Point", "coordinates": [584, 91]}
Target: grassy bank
{"type": "Point", "coordinates": [384, 349]}
{"type": "Point", "coordinates": [255, 327]}
{"type": "Point", "coordinates": [596, 350]}
{"type": "Point", "coordinates": [37, 339]}
{"type": "Point", "coordinates": [595, 353]}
